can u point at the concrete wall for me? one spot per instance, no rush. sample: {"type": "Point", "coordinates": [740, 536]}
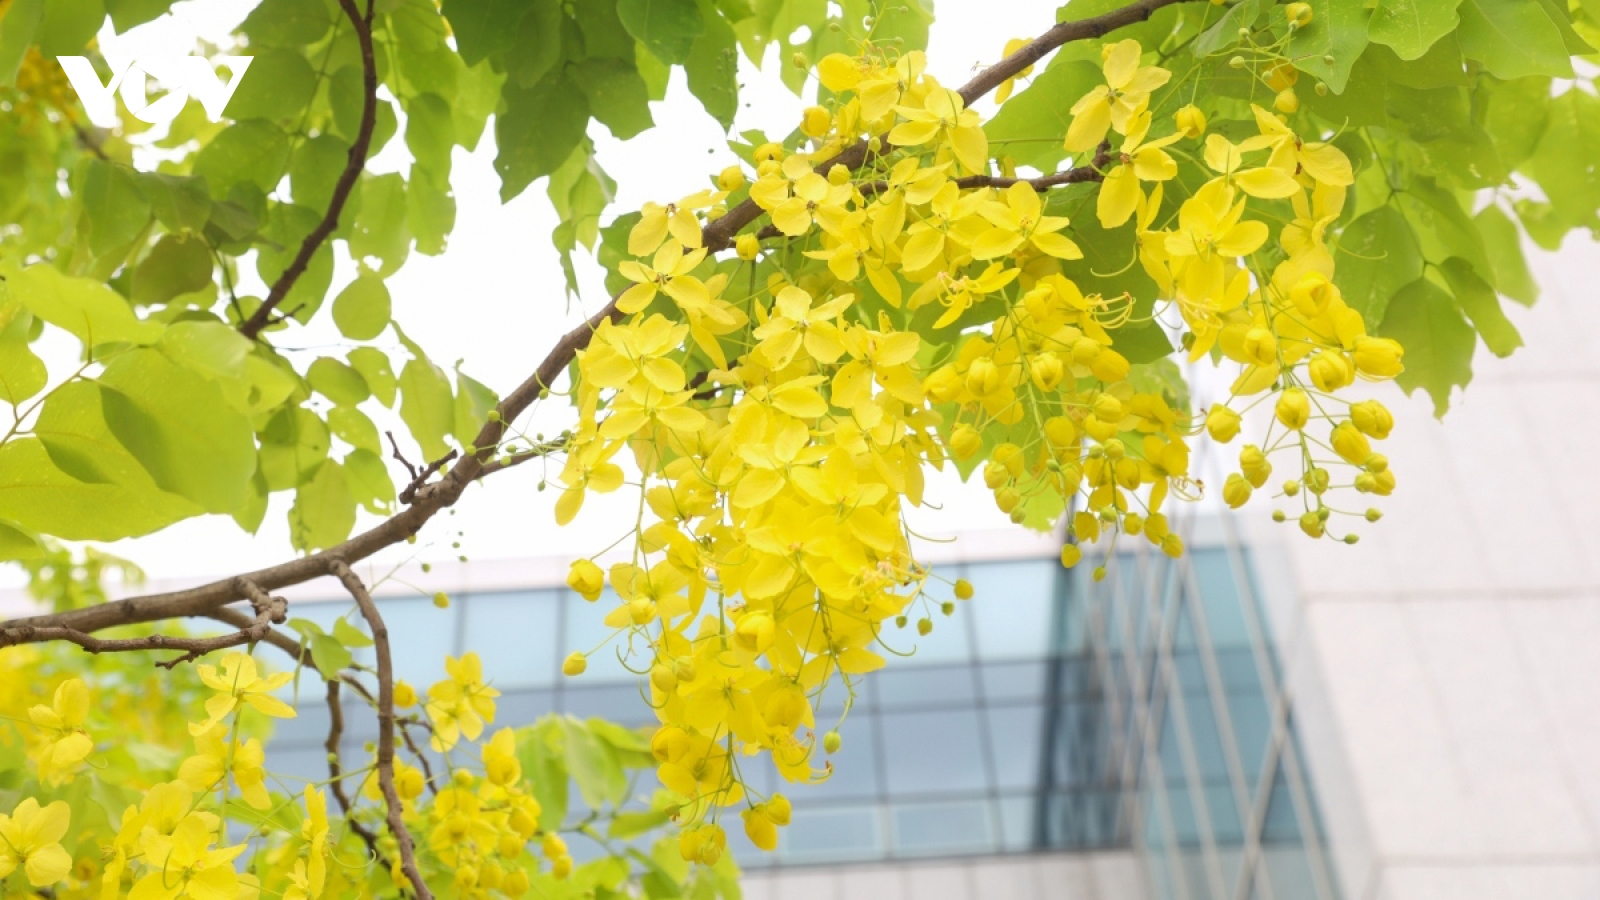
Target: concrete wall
{"type": "Point", "coordinates": [1064, 876]}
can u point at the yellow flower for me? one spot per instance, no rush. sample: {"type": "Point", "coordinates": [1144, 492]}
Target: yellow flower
{"type": "Point", "coordinates": [1137, 161]}
{"type": "Point", "coordinates": [1210, 230]}
{"type": "Point", "coordinates": [500, 762]}
{"type": "Point", "coordinates": [238, 683]}
{"type": "Point", "coordinates": [1191, 121]}
{"type": "Point", "coordinates": [944, 119]}
{"type": "Point", "coordinates": [461, 704]}
{"type": "Point", "coordinates": [678, 219]}
{"type": "Point", "coordinates": [798, 323]}
{"type": "Point", "coordinates": [1324, 162]}
{"type": "Point", "coordinates": [216, 757]}
{"type": "Point", "coordinates": [1268, 182]}
{"type": "Point", "coordinates": [1018, 221]}
{"type": "Point", "coordinates": [314, 831]}
{"type": "Point", "coordinates": [30, 837]}
{"type": "Point", "coordinates": [68, 744]}
{"type": "Point", "coordinates": [796, 196]}
{"type": "Point", "coordinates": [668, 273]}
{"type": "Point", "coordinates": [185, 866]}
{"type": "Point", "coordinates": [586, 579]}
{"type": "Point", "coordinates": [1293, 408]}
{"type": "Point", "coordinates": [1004, 90]}
{"type": "Point", "coordinates": [1125, 94]}
{"type": "Point", "coordinates": [575, 664]}
{"type": "Point", "coordinates": [405, 696]}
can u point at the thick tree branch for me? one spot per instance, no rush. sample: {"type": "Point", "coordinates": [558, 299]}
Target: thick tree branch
{"type": "Point", "coordinates": [391, 797]}
{"type": "Point", "coordinates": [354, 164]}
{"type": "Point", "coordinates": [431, 498]}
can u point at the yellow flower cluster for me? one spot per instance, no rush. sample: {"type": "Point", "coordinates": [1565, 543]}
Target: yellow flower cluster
{"type": "Point", "coordinates": [780, 416]}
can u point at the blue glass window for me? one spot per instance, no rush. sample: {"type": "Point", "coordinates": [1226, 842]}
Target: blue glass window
{"type": "Point", "coordinates": [515, 636]}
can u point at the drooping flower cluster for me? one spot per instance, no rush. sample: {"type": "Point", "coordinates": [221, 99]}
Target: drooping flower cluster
{"type": "Point", "coordinates": [783, 408]}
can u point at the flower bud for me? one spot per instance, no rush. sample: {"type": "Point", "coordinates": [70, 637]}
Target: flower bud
{"type": "Point", "coordinates": [1114, 449]}
{"type": "Point", "coordinates": [965, 442]}
{"type": "Point", "coordinates": [1047, 371]}
{"type": "Point", "coordinates": [404, 695]}
{"type": "Point", "coordinates": [924, 626]}
{"type": "Point", "coordinates": [1378, 357]}
{"type": "Point", "coordinates": [1010, 456]}
{"type": "Point", "coordinates": [759, 828]}
{"type": "Point", "coordinates": [1260, 346]}
{"type": "Point", "coordinates": [1287, 102]}
{"type": "Point", "coordinates": [1293, 409]}
{"type": "Point", "coordinates": [1222, 423]}
{"type": "Point", "coordinates": [1374, 514]}
{"type": "Point", "coordinates": [1351, 445]}
{"type": "Point", "coordinates": [441, 600]}
{"type": "Point", "coordinates": [1110, 366]}
{"type": "Point", "coordinates": [1071, 556]}
{"type": "Point", "coordinates": [1085, 351]}
{"type": "Point", "coordinates": [983, 377]}
{"type": "Point", "coordinates": [1311, 524]}
{"type": "Point", "coordinates": [1191, 121]}
{"type": "Point", "coordinates": [1172, 545]}
{"type": "Point", "coordinates": [1331, 370]}
{"type": "Point", "coordinates": [1317, 481]}
{"type": "Point", "coordinates": [730, 179]}
{"type": "Point", "coordinates": [1253, 463]}
{"type": "Point", "coordinates": [755, 632]}
{"type": "Point", "coordinates": [1298, 14]}
{"type": "Point", "coordinates": [1133, 523]}
{"type": "Point", "coordinates": [663, 678]}
{"type": "Point", "coordinates": [1060, 431]}
{"type": "Point", "coordinates": [779, 810]}
{"type": "Point", "coordinates": [816, 122]}
{"type": "Point", "coordinates": [1236, 491]}
{"type": "Point", "coordinates": [575, 664]}
{"type": "Point", "coordinates": [1008, 499]}
{"type": "Point", "coordinates": [799, 60]}
{"type": "Point", "coordinates": [1372, 419]}
{"type": "Point", "coordinates": [839, 174]}
{"type": "Point", "coordinates": [586, 579]}
{"type": "Point", "coordinates": [1291, 488]}
{"type": "Point", "coordinates": [995, 475]}
{"type": "Point", "coordinates": [1108, 408]}
{"type": "Point", "coordinates": [769, 151]}
{"type": "Point", "coordinates": [963, 589]}
{"type": "Point", "coordinates": [832, 741]}
{"type": "Point", "coordinates": [748, 246]}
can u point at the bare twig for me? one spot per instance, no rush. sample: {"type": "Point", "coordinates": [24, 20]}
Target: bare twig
{"type": "Point", "coordinates": [336, 773]}
{"type": "Point", "coordinates": [431, 498]}
{"type": "Point", "coordinates": [354, 163]}
{"type": "Point", "coordinates": [380, 639]}
{"type": "Point", "coordinates": [418, 479]}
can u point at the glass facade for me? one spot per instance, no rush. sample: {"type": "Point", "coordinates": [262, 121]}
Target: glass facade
{"type": "Point", "coordinates": [1049, 713]}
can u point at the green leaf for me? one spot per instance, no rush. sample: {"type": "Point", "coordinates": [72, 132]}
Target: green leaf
{"type": "Point", "coordinates": [594, 765]}
{"type": "Point", "coordinates": [1224, 33]}
{"type": "Point", "coordinates": [279, 84]}
{"type": "Point", "coordinates": [1030, 125]}
{"type": "Point", "coordinates": [1479, 301]}
{"type": "Point", "coordinates": [1338, 30]}
{"type": "Point", "coordinates": [617, 95]}
{"type": "Point", "coordinates": [430, 210]}
{"type": "Point", "coordinates": [667, 28]}
{"type": "Point", "coordinates": [537, 44]}
{"type": "Point", "coordinates": [22, 372]}
{"type": "Point", "coordinates": [373, 364]}
{"type": "Point", "coordinates": [1376, 256]}
{"type": "Point", "coordinates": [18, 544]}
{"type": "Point", "coordinates": [349, 635]}
{"type": "Point", "coordinates": [1563, 164]}
{"type": "Point", "coordinates": [294, 443]}
{"type": "Point", "coordinates": [180, 428]}
{"type": "Point", "coordinates": [1412, 26]}
{"type": "Point", "coordinates": [427, 406]}
{"type": "Point", "coordinates": [253, 511]}
{"type": "Point", "coordinates": [114, 209]}
{"type": "Point", "coordinates": [430, 132]}
{"type": "Point", "coordinates": [38, 496]}
{"type": "Point", "coordinates": [21, 22]}
{"type": "Point", "coordinates": [329, 655]}
{"type": "Point", "coordinates": [253, 152]}
{"type": "Point", "coordinates": [86, 308]}
{"type": "Point", "coordinates": [323, 511]}
{"type": "Point", "coordinates": [288, 23]}
{"type": "Point", "coordinates": [369, 481]}
{"type": "Point", "coordinates": [713, 69]}
{"type": "Point", "coordinates": [1437, 339]}
{"type": "Point", "coordinates": [477, 96]}
{"type": "Point", "coordinates": [1442, 226]}
{"type": "Point", "coordinates": [180, 202]}
{"type": "Point", "coordinates": [545, 769]}
{"type": "Point", "coordinates": [1516, 114]}
{"type": "Point", "coordinates": [427, 63]}
{"type": "Point", "coordinates": [178, 264]}
{"type": "Point", "coordinates": [68, 25]}
{"type": "Point", "coordinates": [314, 172]}
{"type": "Point", "coordinates": [537, 131]}
{"type": "Point", "coordinates": [73, 429]}
{"type": "Point", "coordinates": [126, 14]}
{"type": "Point", "coordinates": [210, 349]}
{"type": "Point", "coordinates": [483, 28]}
{"type": "Point", "coordinates": [1513, 38]}
{"type": "Point", "coordinates": [352, 426]}
{"type": "Point", "coordinates": [381, 236]}
{"type": "Point", "coordinates": [337, 381]}
{"type": "Point", "coordinates": [472, 405]}
{"type": "Point", "coordinates": [625, 825]}
{"type": "Point", "coordinates": [362, 309]}
{"type": "Point", "coordinates": [1503, 243]}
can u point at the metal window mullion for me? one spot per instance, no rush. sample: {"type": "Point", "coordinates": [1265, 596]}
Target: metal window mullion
{"type": "Point", "coordinates": [1310, 836]}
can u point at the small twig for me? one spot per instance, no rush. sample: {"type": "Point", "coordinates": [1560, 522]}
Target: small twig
{"type": "Point", "coordinates": [538, 451]}
{"type": "Point", "coordinates": [336, 772]}
{"type": "Point", "coordinates": [418, 479]}
{"type": "Point", "coordinates": [380, 639]}
{"type": "Point", "coordinates": [354, 163]}
{"type": "Point", "coordinates": [400, 457]}
{"type": "Point", "coordinates": [427, 767]}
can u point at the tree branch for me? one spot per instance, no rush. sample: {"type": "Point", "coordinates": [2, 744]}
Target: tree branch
{"type": "Point", "coordinates": [336, 772]}
{"type": "Point", "coordinates": [380, 639]}
{"type": "Point", "coordinates": [431, 498]}
{"type": "Point", "coordinates": [354, 164]}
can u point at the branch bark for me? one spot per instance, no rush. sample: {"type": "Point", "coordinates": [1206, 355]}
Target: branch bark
{"type": "Point", "coordinates": [391, 797]}
{"type": "Point", "coordinates": [354, 164]}
{"type": "Point", "coordinates": [431, 498]}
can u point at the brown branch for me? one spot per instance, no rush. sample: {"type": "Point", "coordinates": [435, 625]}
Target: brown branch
{"type": "Point", "coordinates": [336, 773]}
{"type": "Point", "coordinates": [409, 495]}
{"type": "Point", "coordinates": [431, 498]}
{"type": "Point", "coordinates": [354, 163]}
{"type": "Point", "coordinates": [422, 761]}
{"type": "Point", "coordinates": [391, 797]}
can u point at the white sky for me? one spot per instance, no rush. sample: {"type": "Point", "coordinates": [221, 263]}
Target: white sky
{"type": "Point", "coordinates": [495, 298]}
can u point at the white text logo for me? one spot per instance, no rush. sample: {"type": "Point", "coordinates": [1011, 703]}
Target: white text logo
{"type": "Point", "coordinates": [181, 76]}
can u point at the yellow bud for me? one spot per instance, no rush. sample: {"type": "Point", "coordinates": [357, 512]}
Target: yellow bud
{"type": "Point", "coordinates": [755, 632]}
{"type": "Point", "coordinates": [1110, 366]}
{"type": "Point", "coordinates": [839, 174]}
{"type": "Point", "coordinates": [965, 442]}
{"type": "Point", "coordinates": [1378, 357]}
{"type": "Point", "coordinates": [1260, 346]}
{"type": "Point", "coordinates": [1236, 491]}
{"type": "Point", "coordinates": [1293, 409]}
{"type": "Point", "coordinates": [983, 377]}
{"type": "Point", "coordinates": [1351, 445]}
{"type": "Point", "coordinates": [779, 810]}
{"type": "Point", "coordinates": [641, 611]}
{"type": "Point", "coordinates": [1099, 573]}
{"type": "Point", "coordinates": [463, 778]}
{"type": "Point", "coordinates": [1172, 545]}
{"type": "Point", "coordinates": [561, 867]}
{"type": "Point", "coordinates": [731, 179]}
{"type": "Point", "coordinates": [574, 664]}
{"type": "Point", "coordinates": [1372, 419]}
{"type": "Point", "coordinates": [1086, 526]}
{"type": "Point", "coordinates": [441, 600]}
{"type": "Point", "coordinates": [1298, 14]}
{"type": "Point", "coordinates": [586, 579]}
{"type": "Point", "coordinates": [760, 829]}
{"type": "Point", "coordinates": [832, 741]}
{"type": "Point", "coordinates": [404, 695]}
{"type": "Point", "coordinates": [1191, 121]}
{"type": "Point", "coordinates": [1287, 102]}
{"type": "Point", "coordinates": [769, 151]}
{"type": "Point", "coordinates": [1331, 370]}
{"type": "Point", "coordinates": [1374, 514]}
{"type": "Point", "coordinates": [748, 246]}
{"type": "Point", "coordinates": [1071, 556]}
{"type": "Point", "coordinates": [1317, 481]}
{"type": "Point", "coordinates": [1047, 371]}
{"type": "Point", "coordinates": [1008, 499]}
{"type": "Point", "coordinates": [924, 626]}
{"type": "Point", "coordinates": [1377, 462]}
{"type": "Point", "coordinates": [1060, 431]}
{"type": "Point", "coordinates": [963, 589]}
{"type": "Point", "coordinates": [816, 122]}
{"type": "Point", "coordinates": [1253, 463]}
{"type": "Point", "coordinates": [1114, 449]}
{"type": "Point", "coordinates": [1133, 523]}
{"type": "Point", "coordinates": [552, 845]}
{"type": "Point", "coordinates": [516, 884]}
{"type": "Point", "coordinates": [1311, 524]}
{"type": "Point", "coordinates": [1085, 351]}
{"type": "Point", "coordinates": [1222, 423]}
{"type": "Point", "coordinates": [1010, 456]}
{"type": "Point", "coordinates": [1108, 408]}
{"type": "Point", "coordinates": [995, 475]}
{"type": "Point", "coordinates": [408, 783]}
{"type": "Point", "coordinates": [1281, 76]}
{"type": "Point", "coordinates": [799, 61]}
{"type": "Point", "coordinates": [663, 678]}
